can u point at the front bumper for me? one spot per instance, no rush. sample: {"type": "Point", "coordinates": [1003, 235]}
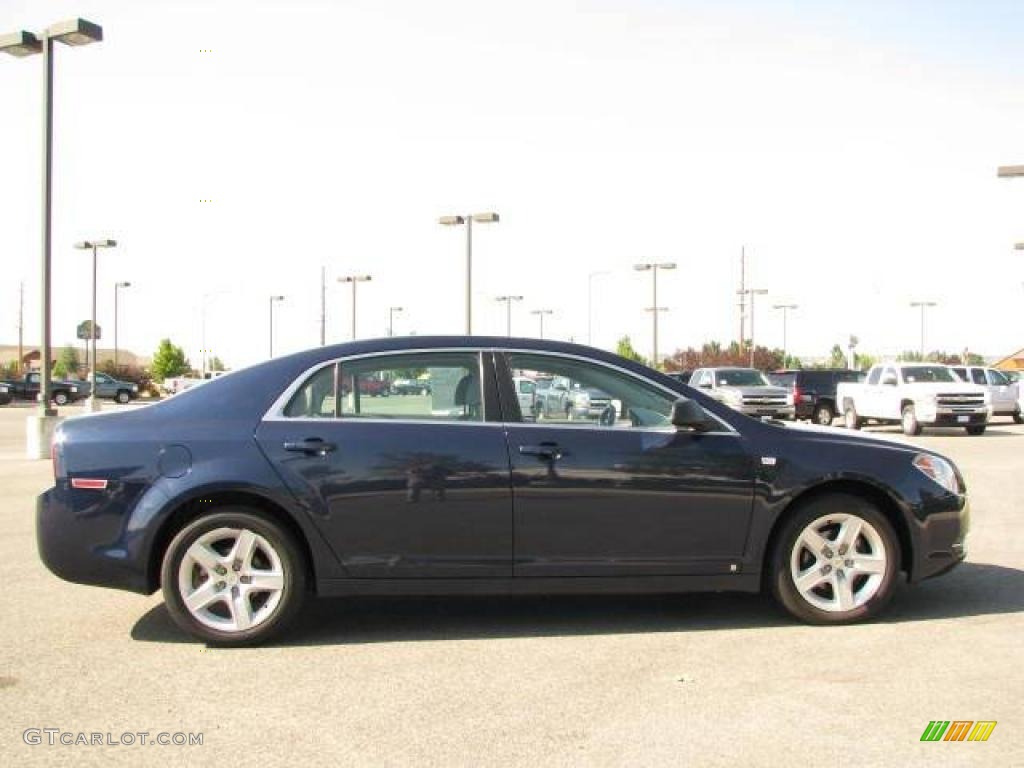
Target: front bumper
{"type": "Point", "coordinates": [775, 411]}
{"type": "Point", "coordinates": [942, 539]}
{"type": "Point", "coordinates": [947, 419]}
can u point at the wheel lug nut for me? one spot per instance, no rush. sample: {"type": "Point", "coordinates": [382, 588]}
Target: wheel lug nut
{"type": "Point", "coordinates": [245, 579]}
{"type": "Point", "coordinates": [827, 569]}
{"type": "Point", "coordinates": [848, 563]}
{"type": "Point", "coordinates": [842, 550]}
{"type": "Point", "coordinates": [236, 566]}
{"type": "Point", "coordinates": [220, 585]}
{"type": "Point", "coordinates": [220, 569]}
{"type": "Point", "coordinates": [827, 552]}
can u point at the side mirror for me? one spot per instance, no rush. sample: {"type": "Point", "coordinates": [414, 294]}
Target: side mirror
{"type": "Point", "coordinates": [889, 381]}
{"type": "Point", "coordinates": [705, 385]}
{"type": "Point", "coordinates": [687, 413]}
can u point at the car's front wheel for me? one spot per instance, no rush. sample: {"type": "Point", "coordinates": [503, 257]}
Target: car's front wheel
{"type": "Point", "coordinates": [850, 418]}
{"type": "Point", "coordinates": [823, 414]}
{"type": "Point", "coordinates": [911, 426]}
{"type": "Point", "coordinates": [61, 398]}
{"type": "Point", "coordinates": [123, 397]}
{"type": "Point", "coordinates": [835, 561]}
{"type": "Point", "coordinates": [1018, 417]}
{"type": "Point", "coordinates": [976, 429]}
{"type": "Point", "coordinates": [233, 577]}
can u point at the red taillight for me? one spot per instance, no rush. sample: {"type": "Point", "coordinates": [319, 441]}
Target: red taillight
{"type": "Point", "coordinates": [796, 394]}
{"type": "Point", "coordinates": [89, 483]}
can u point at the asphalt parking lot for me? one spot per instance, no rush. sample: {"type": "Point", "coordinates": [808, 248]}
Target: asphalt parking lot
{"type": "Point", "coordinates": [674, 680]}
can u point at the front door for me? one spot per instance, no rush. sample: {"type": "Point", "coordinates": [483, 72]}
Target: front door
{"type": "Point", "coordinates": [619, 491]}
{"type": "Point", "coordinates": [401, 484]}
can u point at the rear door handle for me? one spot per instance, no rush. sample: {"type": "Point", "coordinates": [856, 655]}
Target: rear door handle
{"type": "Point", "coordinates": [548, 451]}
{"type": "Point", "coordinates": [311, 446]}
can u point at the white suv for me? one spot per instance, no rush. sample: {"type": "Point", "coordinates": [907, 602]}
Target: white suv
{"type": "Point", "coordinates": [1004, 394]}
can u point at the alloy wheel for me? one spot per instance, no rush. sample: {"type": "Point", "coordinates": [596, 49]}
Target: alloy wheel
{"type": "Point", "coordinates": [231, 579]}
{"type": "Point", "coordinates": [838, 562]}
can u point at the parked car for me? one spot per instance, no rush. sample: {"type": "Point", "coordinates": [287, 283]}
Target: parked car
{"type": "Point", "coordinates": [683, 376]}
{"type": "Point", "coordinates": [114, 389]}
{"type": "Point", "coordinates": [745, 390]}
{"type": "Point", "coordinates": [915, 395]}
{"type": "Point", "coordinates": [243, 496]}
{"type": "Point", "coordinates": [814, 390]}
{"type": "Point", "coordinates": [5, 394]}
{"type": "Point", "coordinates": [1004, 395]}
{"type": "Point", "coordinates": [61, 392]}
{"type": "Point", "coordinates": [410, 387]}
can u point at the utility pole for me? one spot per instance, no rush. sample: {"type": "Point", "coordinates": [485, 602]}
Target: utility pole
{"type": "Point", "coordinates": [354, 279]}
{"type": "Point", "coordinates": [508, 311]}
{"type": "Point", "coordinates": [540, 316]}
{"type": "Point", "coordinates": [21, 327]}
{"type": "Point", "coordinates": [323, 306]}
{"type": "Point", "coordinates": [743, 292]}
{"type": "Point", "coordinates": [654, 309]}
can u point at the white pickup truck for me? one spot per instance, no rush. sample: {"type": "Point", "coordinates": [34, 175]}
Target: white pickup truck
{"type": "Point", "coordinates": [914, 395]}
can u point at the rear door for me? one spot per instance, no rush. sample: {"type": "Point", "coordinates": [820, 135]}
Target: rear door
{"type": "Point", "coordinates": [1004, 394]}
{"type": "Point", "coordinates": [411, 485]}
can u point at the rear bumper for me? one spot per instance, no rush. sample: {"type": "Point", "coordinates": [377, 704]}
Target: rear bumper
{"type": "Point", "coordinates": [77, 548]}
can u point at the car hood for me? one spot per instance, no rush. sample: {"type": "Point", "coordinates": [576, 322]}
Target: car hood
{"type": "Point", "coordinates": [769, 391]}
{"type": "Point", "coordinates": [946, 388]}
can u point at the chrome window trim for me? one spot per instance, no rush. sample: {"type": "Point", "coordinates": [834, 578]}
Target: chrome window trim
{"type": "Point", "coordinates": [276, 410]}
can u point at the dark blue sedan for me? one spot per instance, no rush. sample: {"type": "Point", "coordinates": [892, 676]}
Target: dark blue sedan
{"type": "Point", "coordinates": [242, 496]}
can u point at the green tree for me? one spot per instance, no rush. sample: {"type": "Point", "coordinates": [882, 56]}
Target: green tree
{"type": "Point", "coordinates": [67, 363]}
{"type": "Point", "coordinates": [216, 364]}
{"type": "Point", "coordinates": [169, 360]}
{"type": "Point", "coordinates": [625, 349]}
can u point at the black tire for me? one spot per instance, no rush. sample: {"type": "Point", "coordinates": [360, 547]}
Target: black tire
{"type": "Point", "coordinates": [850, 418]}
{"type": "Point", "coordinates": [1018, 418]}
{"type": "Point", "coordinates": [780, 577]}
{"type": "Point", "coordinates": [61, 398]}
{"type": "Point", "coordinates": [293, 565]}
{"type": "Point", "coordinates": [908, 421]}
{"type": "Point", "coordinates": [823, 414]}
{"type": "Point", "coordinates": [976, 429]}
{"type": "Point", "coordinates": [122, 397]}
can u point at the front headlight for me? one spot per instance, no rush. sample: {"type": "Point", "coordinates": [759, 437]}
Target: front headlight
{"type": "Point", "coordinates": [938, 469]}
{"type": "Point", "coordinates": [74, 390]}
{"type": "Point", "coordinates": [790, 400]}
{"type": "Point", "coordinates": [135, 387]}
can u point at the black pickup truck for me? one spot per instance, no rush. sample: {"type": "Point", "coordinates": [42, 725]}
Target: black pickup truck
{"type": "Point", "coordinates": [61, 392]}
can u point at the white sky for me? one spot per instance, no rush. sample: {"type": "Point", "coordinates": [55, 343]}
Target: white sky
{"type": "Point", "coordinates": [851, 147]}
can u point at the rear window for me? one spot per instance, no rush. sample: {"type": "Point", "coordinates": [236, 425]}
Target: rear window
{"type": "Point", "coordinates": [782, 379]}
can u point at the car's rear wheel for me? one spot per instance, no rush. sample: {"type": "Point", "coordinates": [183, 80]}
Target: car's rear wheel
{"type": "Point", "coordinates": [850, 418]}
{"type": "Point", "coordinates": [233, 577]}
{"type": "Point", "coordinates": [835, 561]}
{"type": "Point", "coordinates": [976, 429]}
{"type": "Point", "coordinates": [909, 421]}
{"type": "Point", "coordinates": [823, 414]}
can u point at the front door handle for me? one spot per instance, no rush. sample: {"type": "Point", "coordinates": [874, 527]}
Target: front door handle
{"type": "Point", "coordinates": [546, 451]}
{"type": "Point", "coordinates": [311, 446]}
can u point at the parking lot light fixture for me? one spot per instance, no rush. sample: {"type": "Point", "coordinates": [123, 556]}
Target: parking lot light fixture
{"type": "Point", "coordinates": [654, 309]}
{"type": "Point", "coordinates": [508, 311]}
{"type": "Point", "coordinates": [785, 341]}
{"type": "Point", "coordinates": [540, 316]}
{"type": "Point", "coordinates": [20, 44]}
{"type": "Point", "coordinates": [273, 300]}
{"type": "Point", "coordinates": [753, 293]}
{"type": "Point", "coordinates": [354, 279]}
{"type": "Point", "coordinates": [117, 286]}
{"type": "Point", "coordinates": [488, 217]}
{"type": "Point", "coordinates": [391, 319]}
{"type": "Point", "coordinates": [1010, 171]}
{"type": "Point", "coordinates": [92, 404]}
{"type": "Point", "coordinates": [923, 305]}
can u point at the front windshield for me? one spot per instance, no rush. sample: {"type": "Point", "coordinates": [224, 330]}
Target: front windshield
{"type": "Point", "coordinates": [922, 374]}
{"type": "Point", "coordinates": [741, 377]}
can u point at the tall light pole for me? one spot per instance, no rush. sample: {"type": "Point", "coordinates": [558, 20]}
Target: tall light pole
{"type": "Point", "coordinates": [273, 300]}
{"type": "Point", "coordinates": [923, 305]}
{"type": "Point", "coordinates": [540, 316]}
{"type": "Point", "coordinates": [391, 319]}
{"type": "Point", "coordinates": [590, 303]}
{"type": "Point", "coordinates": [21, 327]}
{"type": "Point", "coordinates": [654, 309]}
{"type": "Point", "coordinates": [20, 44]}
{"type": "Point", "coordinates": [508, 311]}
{"type": "Point", "coordinates": [489, 217]}
{"type": "Point", "coordinates": [117, 286]}
{"type": "Point", "coordinates": [354, 279]}
{"type": "Point", "coordinates": [753, 293]}
{"type": "Point", "coordinates": [93, 404]}
{"type": "Point", "coordinates": [323, 306]}
{"type": "Point", "coordinates": [785, 340]}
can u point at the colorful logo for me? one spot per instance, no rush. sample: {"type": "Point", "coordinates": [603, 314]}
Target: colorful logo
{"type": "Point", "coordinates": [958, 730]}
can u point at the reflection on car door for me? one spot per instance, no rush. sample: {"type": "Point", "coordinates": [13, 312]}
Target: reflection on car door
{"type": "Point", "coordinates": [623, 500]}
